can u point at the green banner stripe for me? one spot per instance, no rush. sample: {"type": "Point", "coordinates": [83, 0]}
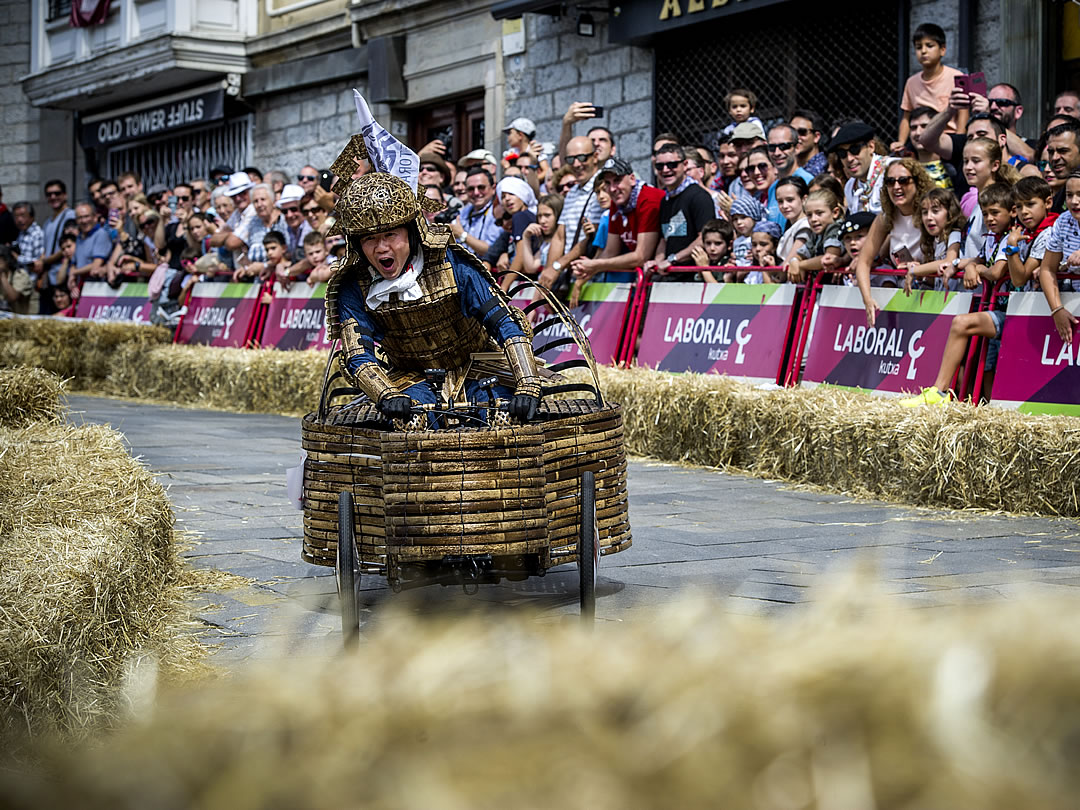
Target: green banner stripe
{"type": "Point", "coordinates": [133, 289]}
{"type": "Point", "coordinates": [928, 302]}
{"type": "Point", "coordinates": [745, 293]}
{"type": "Point", "coordinates": [1050, 408]}
{"type": "Point", "coordinates": [597, 291]}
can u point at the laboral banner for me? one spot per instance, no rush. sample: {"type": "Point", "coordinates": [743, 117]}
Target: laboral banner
{"type": "Point", "coordinates": [901, 353]}
{"type": "Point", "coordinates": [128, 302]}
{"type": "Point", "coordinates": [1037, 371]}
{"type": "Point", "coordinates": [599, 313]}
{"type": "Point", "coordinates": [733, 329]}
{"type": "Point", "coordinates": [219, 313]}
{"type": "Point", "coordinates": [296, 318]}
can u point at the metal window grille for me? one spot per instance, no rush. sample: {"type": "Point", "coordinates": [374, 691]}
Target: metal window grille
{"type": "Point", "coordinates": [184, 157]}
{"type": "Point", "coordinates": [59, 9]}
{"type": "Point", "coordinates": [841, 61]}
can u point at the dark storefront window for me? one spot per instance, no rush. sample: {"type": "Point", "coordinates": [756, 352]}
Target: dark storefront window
{"type": "Point", "coordinates": [459, 123]}
{"type": "Point", "coordinates": [841, 61]}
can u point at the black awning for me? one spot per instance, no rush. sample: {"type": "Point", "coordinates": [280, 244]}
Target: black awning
{"type": "Point", "coordinates": [508, 9]}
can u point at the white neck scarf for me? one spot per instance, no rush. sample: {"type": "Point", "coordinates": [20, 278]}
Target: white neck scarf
{"type": "Point", "coordinates": [404, 284]}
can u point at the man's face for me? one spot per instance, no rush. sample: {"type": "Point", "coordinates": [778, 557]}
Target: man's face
{"type": "Point", "coordinates": [307, 178]}
{"type": "Point", "coordinates": [185, 198]}
{"type": "Point", "coordinates": [242, 200]}
{"type": "Point", "coordinates": [129, 188]}
{"type": "Point", "coordinates": [982, 128]}
{"type": "Point", "coordinates": [928, 52]}
{"type": "Point", "coordinates": [430, 175]}
{"type": "Point", "coordinates": [602, 145]}
{"type": "Point", "coordinates": [918, 127]}
{"type": "Point", "coordinates": [388, 251]}
{"type": "Point", "coordinates": [807, 135]}
{"type": "Point", "coordinates": [1067, 104]}
{"type": "Point", "coordinates": [85, 218]}
{"type": "Point", "coordinates": [22, 218]}
{"type": "Point", "coordinates": [112, 197]}
{"type": "Point", "coordinates": [315, 254]}
{"type": "Point", "coordinates": [458, 186]}
{"type": "Point", "coordinates": [294, 218]}
{"type": "Point", "coordinates": [263, 203]}
{"type": "Point", "coordinates": [581, 158]}
{"type": "Point", "coordinates": [275, 253]}
{"type": "Point", "coordinates": [782, 142]}
{"type": "Point", "coordinates": [57, 198]}
{"type": "Point", "coordinates": [1063, 154]}
{"type": "Point", "coordinates": [1003, 106]}
{"type": "Point", "coordinates": [202, 194]}
{"type": "Point", "coordinates": [727, 159]}
{"type": "Point", "coordinates": [670, 170]}
{"type": "Point", "coordinates": [479, 189]}
{"type": "Point", "coordinates": [620, 188]}
{"type": "Point", "coordinates": [856, 158]}
{"type": "Point", "coordinates": [744, 145]}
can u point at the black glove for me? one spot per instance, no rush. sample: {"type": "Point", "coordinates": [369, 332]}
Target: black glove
{"type": "Point", "coordinates": [523, 407]}
{"type": "Point", "coordinates": [395, 406]}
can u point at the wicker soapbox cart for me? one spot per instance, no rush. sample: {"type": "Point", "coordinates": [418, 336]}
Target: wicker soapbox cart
{"type": "Point", "coordinates": [475, 502]}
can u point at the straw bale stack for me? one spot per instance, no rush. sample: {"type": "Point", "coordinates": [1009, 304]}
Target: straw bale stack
{"type": "Point", "coordinates": [29, 395]}
{"type": "Point", "coordinates": [79, 350]}
{"type": "Point", "coordinates": [257, 380]}
{"type": "Point", "coordinates": [88, 578]}
{"type": "Point", "coordinates": [852, 703]}
{"type": "Point", "coordinates": [959, 457]}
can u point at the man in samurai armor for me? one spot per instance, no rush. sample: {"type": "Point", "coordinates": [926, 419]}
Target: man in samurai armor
{"type": "Point", "coordinates": [426, 302]}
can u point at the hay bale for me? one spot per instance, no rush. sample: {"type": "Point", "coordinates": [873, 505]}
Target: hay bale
{"type": "Point", "coordinates": [77, 350]}
{"type": "Point", "coordinates": [29, 395]}
{"type": "Point", "coordinates": [959, 457]}
{"type": "Point", "coordinates": [88, 578]}
{"type": "Point", "coordinates": [850, 703]}
{"type": "Point", "coordinates": [254, 380]}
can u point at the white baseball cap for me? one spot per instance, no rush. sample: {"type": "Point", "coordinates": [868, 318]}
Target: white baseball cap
{"type": "Point", "coordinates": [522, 125]}
{"type": "Point", "coordinates": [478, 156]}
{"type": "Point", "coordinates": [239, 182]}
{"type": "Point", "coordinates": [289, 194]}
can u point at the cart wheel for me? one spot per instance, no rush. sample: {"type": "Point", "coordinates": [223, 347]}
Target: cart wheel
{"type": "Point", "coordinates": [588, 547]}
{"type": "Point", "coordinates": [348, 570]}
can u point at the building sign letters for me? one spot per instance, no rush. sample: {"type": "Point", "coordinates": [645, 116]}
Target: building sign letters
{"type": "Point", "coordinates": [154, 120]}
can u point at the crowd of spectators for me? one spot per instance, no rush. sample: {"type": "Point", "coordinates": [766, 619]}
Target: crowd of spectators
{"type": "Point", "coordinates": [765, 202]}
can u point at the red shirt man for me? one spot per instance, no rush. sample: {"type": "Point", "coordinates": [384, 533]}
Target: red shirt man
{"type": "Point", "coordinates": [633, 226]}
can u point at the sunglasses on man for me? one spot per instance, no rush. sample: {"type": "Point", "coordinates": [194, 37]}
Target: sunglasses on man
{"type": "Point", "coordinates": [781, 147]}
{"type": "Point", "coordinates": [803, 131]}
{"type": "Point", "coordinates": [290, 209]}
{"type": "Point", "coordinates": [852, 151]}
{"type": "Point", "coordinates": [1001, 102]}
{"type": "Point", "coordinates": [311, 177]}
{"type": "Point", "coordinates": [572, 159]}
{"type": "Point", "coordinates": [312, 211]}
{"type": "Point", "coordinates": [668, 165]}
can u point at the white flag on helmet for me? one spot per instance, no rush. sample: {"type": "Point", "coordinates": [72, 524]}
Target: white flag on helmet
{"type": "Point", "coordinates": [387, 153]}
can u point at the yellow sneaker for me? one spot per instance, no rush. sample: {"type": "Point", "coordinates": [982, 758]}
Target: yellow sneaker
{"type": "Point", "coordinates": [928, 396]}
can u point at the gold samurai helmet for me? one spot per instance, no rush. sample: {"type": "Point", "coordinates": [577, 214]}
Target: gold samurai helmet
{"type": "Point", "coordinates": [376, 202]}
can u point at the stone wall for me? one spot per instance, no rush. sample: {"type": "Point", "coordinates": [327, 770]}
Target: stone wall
{"type": "Point", "coordinates": [19, 122]}
{"type": "Point", "coordinates": [304, 126]}
{"type": "Point", "coordinates": [560, 67]}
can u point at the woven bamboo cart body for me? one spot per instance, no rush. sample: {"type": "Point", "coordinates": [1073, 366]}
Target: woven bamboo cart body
{"type": "Point", "coordinates": [511, 492]}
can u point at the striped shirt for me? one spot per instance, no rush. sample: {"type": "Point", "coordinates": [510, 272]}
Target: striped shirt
{"type": "Point", "coordinates": [574, 204]}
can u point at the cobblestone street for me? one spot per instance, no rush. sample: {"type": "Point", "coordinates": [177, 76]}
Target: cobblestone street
{"type": "Point", "coordinates": [753, 545]}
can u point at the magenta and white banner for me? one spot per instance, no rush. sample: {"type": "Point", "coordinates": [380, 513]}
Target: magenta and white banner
{"type": "Point", "coordinates": [733, 329]}
{"type": "Point", "coordinates": [219, 313]}
{"type": "Point", "coordinates": [129, 302]}
{"type": "Point", "coordinates": [899, 354]}
{"type": "Point", "coordinates": [296, 318]}
{"type": "Point", "coordinates": [1037, 372]}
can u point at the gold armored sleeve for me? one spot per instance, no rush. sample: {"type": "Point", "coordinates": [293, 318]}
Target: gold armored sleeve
{"type": "Point", "coordinates": [522, 362]}
{"type": "Point", "coordinates": [368, 376]}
